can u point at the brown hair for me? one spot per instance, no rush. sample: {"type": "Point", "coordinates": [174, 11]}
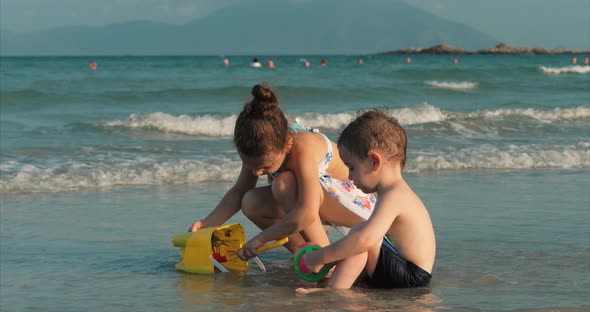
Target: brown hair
{"type": "Point", "coordinates": [374, 130]}
{"type": "Point", "coordinates": [261, 127]}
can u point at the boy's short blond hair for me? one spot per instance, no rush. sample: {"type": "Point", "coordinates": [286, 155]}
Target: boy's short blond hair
{"type": "Point", "coordinates": [375, 131]}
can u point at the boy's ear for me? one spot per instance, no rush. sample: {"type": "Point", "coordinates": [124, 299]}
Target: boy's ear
{"type": "Point", "coordinates": [376, 160]}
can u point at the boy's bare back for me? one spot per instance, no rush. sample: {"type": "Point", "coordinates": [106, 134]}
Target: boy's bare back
{"type": "Point", "coordinates": [412, 233]}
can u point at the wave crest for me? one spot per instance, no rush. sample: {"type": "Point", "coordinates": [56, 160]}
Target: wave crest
{"type": "Point", "coordinates": [25, 178]}
{"type": "Point", "coordinates": [223, 126]}
{"type": "Point", "coordinates": [422, 113]}
{"type": "Point", "coordinates": [556, 114]}
{"type": "Point", "coordinates": [452, 85]}
{"type": "Point", "coordinates": [578, 69]}
{"type": "Point", "coordinates": [120, 172]}
{"type": "Point", "coordinates": [512, 157]}
{"type": "Point", "coordinates": [200, 125]}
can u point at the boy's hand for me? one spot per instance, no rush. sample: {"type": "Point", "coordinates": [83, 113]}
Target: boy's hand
{"type": "Point", "coordinates": [196, 226]}
{"type": "Point", "coordinates": [313, 261]}
{"type": "Point", "coordinates": [249, 249]}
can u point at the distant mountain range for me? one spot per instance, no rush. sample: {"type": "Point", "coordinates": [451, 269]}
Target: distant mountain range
{"type": "Point", "coordinates": [261, 27]}
{"type": "Point", "coordinates": [500, 48]}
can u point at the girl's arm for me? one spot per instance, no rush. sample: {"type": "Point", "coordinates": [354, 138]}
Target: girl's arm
{"type": "Point", "coordinates": [309, 192]}
{"type": "Point", "coordinates": [230, 204]}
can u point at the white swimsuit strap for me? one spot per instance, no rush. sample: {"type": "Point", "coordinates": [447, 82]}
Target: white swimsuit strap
{"type": "Point", "coordinates": [326, 161]}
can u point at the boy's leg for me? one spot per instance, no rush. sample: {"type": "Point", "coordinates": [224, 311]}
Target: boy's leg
{"type": "Point", "coordinates": [285, 192]}
{"type": "Point", "coordinates": [373, 258]}
{"type": "Point", "coordinates": [260, 207]}
{"type": "Point", "coordinates": [347, 271]}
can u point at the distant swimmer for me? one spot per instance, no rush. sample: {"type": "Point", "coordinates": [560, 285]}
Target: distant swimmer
{"type": "Point", "coordinates": [92, 65]}
{"type": "Point", "coordinates": [408, 60]}
{"type": "Point", "coordinates": [255, 63]}
{"type": "Point", "coordinates": [225, 62]}
{"type": "Point", "coordinates": [306, 64]}
{"type": "Point", "coordinates": [455, 61]}
{"type": "Point", "coordinates": [323, 63]}
{"type": "Point", "coordinates": [574, 60]}
{"type": "Point", "coordinates": [586, 61]}
{"type": "Point", "coordinates": [361, 61]}
{"type": "Point", "coordinates": [270, 63]}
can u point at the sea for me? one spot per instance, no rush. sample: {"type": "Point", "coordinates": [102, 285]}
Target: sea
{"type": "Point", "coordinates": [99, 168]}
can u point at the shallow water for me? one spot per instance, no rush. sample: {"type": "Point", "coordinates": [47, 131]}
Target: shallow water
{"type": "Point", "coordinates": [506, 241]}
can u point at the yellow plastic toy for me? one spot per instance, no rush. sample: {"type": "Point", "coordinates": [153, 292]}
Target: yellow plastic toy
{"type": "Point", "coordinates": [204, 250]}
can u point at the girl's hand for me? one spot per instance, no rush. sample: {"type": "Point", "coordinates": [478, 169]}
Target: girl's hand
{"type": "Point", "coordinates": [249, 249]}
{"type": "Point", "coordinates": [313, 261]}
{"type": "Point", "coordinates": [196, 226]}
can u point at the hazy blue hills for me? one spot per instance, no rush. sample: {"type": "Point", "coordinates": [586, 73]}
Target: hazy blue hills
{"type": "Point", "coordinates": [261, 27]}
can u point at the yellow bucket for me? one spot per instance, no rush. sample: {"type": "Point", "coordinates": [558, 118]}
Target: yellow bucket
{"type": "Point", "coordinates": [196, 248]}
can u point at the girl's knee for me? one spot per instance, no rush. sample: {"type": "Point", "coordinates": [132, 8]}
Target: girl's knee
{"type": "Point", "coordinates": [249, 203]}
{"type": "Point", "coordinates": [259, 203]}
{"type": "Point", "coordinates": [284, 187]}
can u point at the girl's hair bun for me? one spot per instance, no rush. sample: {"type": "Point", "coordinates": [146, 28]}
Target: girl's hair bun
{"type": "Point", "coordinates": [263, 100]}
{"type": "Point", "coordinates": [261, 127]}
{"type": "Point", "coordinates": [262, 93]}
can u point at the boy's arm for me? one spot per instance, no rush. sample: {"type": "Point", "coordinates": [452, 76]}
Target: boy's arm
{"type": "Point", "coordinates": [366, 235]}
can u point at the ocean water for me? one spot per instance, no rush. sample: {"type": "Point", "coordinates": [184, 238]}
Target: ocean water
{"type": "Point", "coordinates": [99, 168]}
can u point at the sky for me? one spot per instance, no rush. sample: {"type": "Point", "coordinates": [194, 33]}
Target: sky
{"type": "Point", "coordinates": [529, 23]}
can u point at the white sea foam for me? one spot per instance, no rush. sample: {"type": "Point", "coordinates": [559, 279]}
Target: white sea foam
{"type": "Point", "coordinates": [418, 114]}
{"type": "Point", "coordinates": [199, 125]}
{"type": "Point", "coordinates": [118, 172]}
{"type": "Point", "coordinates": [557, 114]}
{"type": "Point", "coordinates": [576, 69]}
{"type": "Point", "coordinates": [146, 171]}
{"type": "Point", "coordinates": [530, 156]}
{"type": "Point", "coordinates": [8, 165]}
{"type": "Point", "coordinates": [452, 85]}
{"type": "Point", "coordinates": [422, 113]}
{"type": "Point", "coordinates": [223, 126]}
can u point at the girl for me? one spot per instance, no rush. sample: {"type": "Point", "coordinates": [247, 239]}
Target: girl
{"type": "Point", "coordinates": [309, 184]}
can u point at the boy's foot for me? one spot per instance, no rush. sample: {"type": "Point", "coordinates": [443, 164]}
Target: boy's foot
{"type": "Point", "coordinates": [305, 291]}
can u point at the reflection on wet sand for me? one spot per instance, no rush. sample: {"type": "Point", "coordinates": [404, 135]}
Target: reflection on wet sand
{"type": "Point", "coordinates": [211, 290]}
{"type": "Point", "coordinates": [260, 291]}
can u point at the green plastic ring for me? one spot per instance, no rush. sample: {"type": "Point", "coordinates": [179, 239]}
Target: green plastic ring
{"type": "Point", "coordinates": [310, 276]}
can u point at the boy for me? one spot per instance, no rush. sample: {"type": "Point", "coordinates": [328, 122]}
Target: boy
{"type": "Point", "coordinates": [373, 147]}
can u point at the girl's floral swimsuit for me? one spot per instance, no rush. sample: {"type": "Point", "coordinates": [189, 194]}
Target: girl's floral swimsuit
{"type": "Point", "coordinates": [344, 192]}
